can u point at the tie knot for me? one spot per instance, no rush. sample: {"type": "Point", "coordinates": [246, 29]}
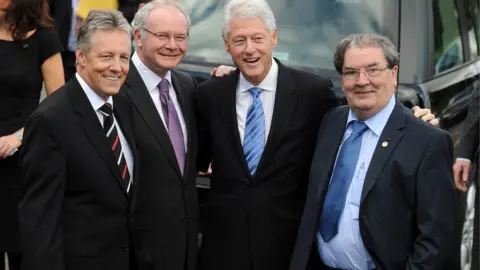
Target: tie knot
{"type": "Point", "coordinates": [359, 127]}
{"type": "Point", "coordinates": [163, 86]}
{"type": "Point", "coordinates": [106, 109]}
{"type": "Point", "coordinates": [255, 91]}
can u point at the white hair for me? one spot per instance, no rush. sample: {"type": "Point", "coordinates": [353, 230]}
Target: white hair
{"type": "Point", "coordinates": [97, 20]}
{"type": "Point", "coordinates": [248, 9]}
{"type": "Point", "coordinates": [141, 16]}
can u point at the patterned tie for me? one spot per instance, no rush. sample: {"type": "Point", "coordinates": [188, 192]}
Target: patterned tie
{"type": "Point", "coordinates": [340, 184]}
{"type": "Point", "coordinates": [172, 122]}
{"type": "Point", "coordinates": [254, 140]}
{"type": "Point", "coordinates": [112, 136]}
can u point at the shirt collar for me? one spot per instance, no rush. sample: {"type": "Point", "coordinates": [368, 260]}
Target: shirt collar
{"type": "Point", "coordinates": [150, 79]}
{"type": "Point", "coordinates": [95, 100]}
{"type": "Point", "coordinates": [377, 122]}
{"type": "Point", "coordinates": [268, 84]}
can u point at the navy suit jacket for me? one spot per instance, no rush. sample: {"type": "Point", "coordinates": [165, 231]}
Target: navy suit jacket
{"type": "Point", "coordinates": [408, 198]}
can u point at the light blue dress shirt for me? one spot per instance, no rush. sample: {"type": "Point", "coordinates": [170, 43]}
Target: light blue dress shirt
{"type": "Point", "coordinates": [346, 249]}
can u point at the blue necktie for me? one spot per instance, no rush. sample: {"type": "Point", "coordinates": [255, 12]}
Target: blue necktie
{"type": "Point", "coordinates": [340, 184]}
{"type": "Point", "coordinates": [254, 140]}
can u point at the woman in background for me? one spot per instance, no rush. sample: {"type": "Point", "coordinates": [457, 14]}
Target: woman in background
{"type": "Point", "coordinates": [29, 56]}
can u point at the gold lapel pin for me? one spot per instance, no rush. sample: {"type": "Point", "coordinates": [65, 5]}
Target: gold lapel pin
{"type": "Point", "coordinates": [384, 144]}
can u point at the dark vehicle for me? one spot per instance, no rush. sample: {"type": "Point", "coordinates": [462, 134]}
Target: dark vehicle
{"type": "Point", "coordinates": [439, 43]}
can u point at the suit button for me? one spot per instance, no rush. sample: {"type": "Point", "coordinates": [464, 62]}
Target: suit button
{"type": "Point", "coordinates": [126, 248]}
{"type": "Point", "coordinates": [183, 219]}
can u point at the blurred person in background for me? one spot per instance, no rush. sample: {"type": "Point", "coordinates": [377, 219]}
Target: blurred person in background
{"type": "Point", "coordinates": [467, 165]}
{"type": "Point", "coordinates": [30, 55]}
{"type": "Point", "coordinates": [63, 14]}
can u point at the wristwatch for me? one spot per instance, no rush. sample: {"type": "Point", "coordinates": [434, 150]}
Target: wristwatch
{"type": "Point", "coordinates": [19, 135]}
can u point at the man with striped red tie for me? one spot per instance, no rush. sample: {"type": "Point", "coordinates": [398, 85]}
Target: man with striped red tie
{"type": "Point", "coordinates": [78, 160]}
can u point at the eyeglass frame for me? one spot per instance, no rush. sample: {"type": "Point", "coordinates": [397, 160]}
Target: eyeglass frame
{"type": "Point", "coordinates": [365, 72]}
{"type": "Point", "coordinates": [162, 35]}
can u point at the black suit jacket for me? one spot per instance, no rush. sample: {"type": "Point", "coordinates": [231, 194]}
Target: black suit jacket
{"type": "Point", "coordinates": [61, 11]}
{"type": "Point", "coordinates": [74, 209]}
{"type": "Point", "coordinates": [253, 221]}
{"type": "Point", "coordinates": [165, 207]}
{"type": "Point", "coordinates": [469, 143]}
{"type": "Point", "coordinates": [407, 204]}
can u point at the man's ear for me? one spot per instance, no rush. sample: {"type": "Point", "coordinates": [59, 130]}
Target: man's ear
{"type": "Point", "coordinates": [137, 36]}
{"type": "Point", "coordinates": [80, 55]}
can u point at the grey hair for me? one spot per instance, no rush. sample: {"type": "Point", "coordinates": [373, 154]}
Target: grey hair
{"type": "Point", "coordinates": [366, 40]}
{"type": "Point", "coordinates": [102, 19]}
{"type": "Point", "coordinates": [141, 16]}
{"type": "Point", "coordinates": [248, 9]}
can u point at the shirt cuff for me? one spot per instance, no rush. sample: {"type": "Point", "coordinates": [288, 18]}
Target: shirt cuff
{"type": "Point", "coordinates": [464, 159]}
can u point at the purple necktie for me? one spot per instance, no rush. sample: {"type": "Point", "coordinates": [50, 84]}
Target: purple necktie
{"type": "Point", "coordinates": [173, 123]}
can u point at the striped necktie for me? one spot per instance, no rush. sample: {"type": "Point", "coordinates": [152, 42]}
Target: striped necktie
{"type": "Point", "coordinates": [114, 141]}
{"type": "Point", "coordinates": [254, 140]}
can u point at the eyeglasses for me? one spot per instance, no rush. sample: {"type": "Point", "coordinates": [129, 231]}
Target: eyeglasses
{"type": "Point", "coordinates": [369, 72]}
{"type": "Point", "coordinates": [165, 37]}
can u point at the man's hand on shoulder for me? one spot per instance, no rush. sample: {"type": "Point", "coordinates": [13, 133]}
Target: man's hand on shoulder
{"type": "Point", "coordinates": [222, 71]}
{"type": "Point", "coordinates": [425, 115]}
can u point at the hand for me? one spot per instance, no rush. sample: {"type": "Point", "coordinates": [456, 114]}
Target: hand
{"type": "Point", "coordinates": [222, 71]}
{"type": "Point", "coordinates": [425, 115]}
{"type": "Point", "coordinates": [209, 171]}
{"type": "Point", "coordinates": [461, 171]}
{"type": "Point", "coordinates": [8, 144]}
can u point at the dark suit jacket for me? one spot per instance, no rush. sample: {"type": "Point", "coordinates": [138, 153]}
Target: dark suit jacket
{"type": "Point", "coordinates": [254, 221]}
{"type": "Point", "coordinates": [165, 207]}
{"type": "Point", "coordinates": [469, 146]}
{"type": "Point", "coordinates": [74, 209]}
{"type": "Point", "coordinates": [61, 11]}
{"type": "Point", "coordinates": [408, 198]}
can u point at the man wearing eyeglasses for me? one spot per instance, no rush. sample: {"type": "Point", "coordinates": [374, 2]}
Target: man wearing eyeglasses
{"type": "Point", "coordinates": [164, 208]}
{"type": "Point", "coordinates": [381, 192]}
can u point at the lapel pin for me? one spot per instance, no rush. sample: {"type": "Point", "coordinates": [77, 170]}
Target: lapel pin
{"type": "Point", "coordinates": [384, 144]}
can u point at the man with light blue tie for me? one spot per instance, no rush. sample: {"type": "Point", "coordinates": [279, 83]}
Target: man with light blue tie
{"type": "Point", "coordinates": [381, 192]}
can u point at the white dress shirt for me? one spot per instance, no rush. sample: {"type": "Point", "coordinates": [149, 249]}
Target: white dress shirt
{"type": "Point", "coordinates": [346, 250]}
{"type": "Point", "coordinates": [244, 99]}
{"type": "Point", "coordinates": [152, 81]}
{"type": "Point", "coordinates": [97, 102]}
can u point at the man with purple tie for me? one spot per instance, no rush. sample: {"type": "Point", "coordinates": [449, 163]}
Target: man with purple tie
{"type": "Point", "coordinates": [164, 208]}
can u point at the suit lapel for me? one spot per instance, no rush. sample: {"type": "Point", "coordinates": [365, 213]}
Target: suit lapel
{"type": "Point", "coordinates": [326, 159]}
{"type": "Point", "coordinates": [228, 109]}
{"type": "Point", "coordinates": [391, 135]}
{"type": "Point", "coordinates": [92, 128]}
{"type": "Point", "coordinates": [285, 103]}
{"type": "Point", "coordinates": [142, 101]}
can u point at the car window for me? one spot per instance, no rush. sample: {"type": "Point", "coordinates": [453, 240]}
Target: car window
{"type": "Point", "coordinates": [308, 30]}
{"type": "Point", "coordinates": [447, 41]}
{"type": "Point", "coordinates": [473, 21]}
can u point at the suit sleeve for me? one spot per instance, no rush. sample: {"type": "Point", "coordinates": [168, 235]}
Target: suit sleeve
{"type": "Point", "coordinates": [435, 204]}
{"type": "Point", "coordinates": [469, 141]}
{"type": "Point", "coordinates": [41, 201]}
{"type": "Point", "coordinates": [202, 109]}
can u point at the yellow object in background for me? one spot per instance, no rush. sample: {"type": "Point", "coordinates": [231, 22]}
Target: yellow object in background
{"type": "Point", "coordinates": [85, 6]}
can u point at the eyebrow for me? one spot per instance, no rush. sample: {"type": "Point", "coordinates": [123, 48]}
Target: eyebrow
{"type": "Point", "coordinates": [368, 66]}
